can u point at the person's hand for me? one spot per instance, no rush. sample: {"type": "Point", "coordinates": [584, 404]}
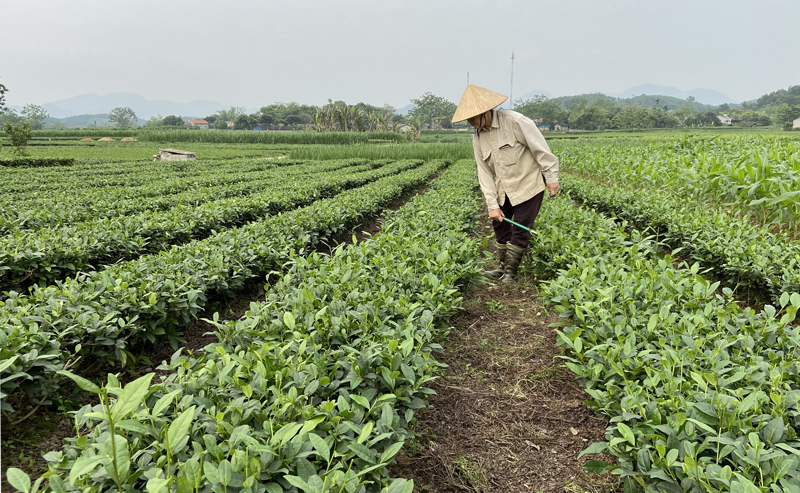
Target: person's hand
{"type": "Point", "coordinates": [553, 188]}
{"type": "Point", "coordinates": [496, 214]}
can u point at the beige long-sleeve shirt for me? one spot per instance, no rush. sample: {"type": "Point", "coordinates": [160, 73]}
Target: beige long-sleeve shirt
{"type": "Point", "coordinates": [511, 156]}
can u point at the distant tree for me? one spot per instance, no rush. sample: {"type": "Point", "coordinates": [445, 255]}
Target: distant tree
{"type": "Point", "coordinates": [230, 114]}
{"type": "Point", "coordinates": [7, 115]}
{"type": "Point", "coordinates": [35, 116]}
{"type": "Point", "coordinates": [685, 111]}
{"type": "Point", "coordinates": [242, 123]}
{"type": "Point", "coordinates": [690, 99]}
{"type": "Point", "coordinates": [19, 135]}
{"type": "Point", "coordinates": [432, 110]}
{"type": "Point", "coordinates": [785, 113]}
{"type": "Point", "coordinates": [596, 115]}
{"type": "Point", "coordinates": [3, 91]}
{"type": "Point", "coordinates": [155, 121]}
{"type": "Point", "coordinates": [635, 117]}
{"type": "Point", "coordinates": [220, 124]}
{"type": "Point", "coordinates": [172, 121]}
{"type": "Point", "coordinates": [542, 108]}
{"type": "Point", "coordinates": [123, 116]}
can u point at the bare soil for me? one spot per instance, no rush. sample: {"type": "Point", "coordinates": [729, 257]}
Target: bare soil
{"type": "Point", "coordinates": [507, 415]}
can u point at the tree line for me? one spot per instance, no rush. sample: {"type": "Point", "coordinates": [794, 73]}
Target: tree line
{"type": "Point", "coordinates": [583, 112]}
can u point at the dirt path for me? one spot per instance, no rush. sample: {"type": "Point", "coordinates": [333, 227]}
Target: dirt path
{"type": "Point", "coordinates": [508, 415]}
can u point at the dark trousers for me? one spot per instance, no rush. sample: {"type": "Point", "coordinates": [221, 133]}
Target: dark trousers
{"type": "Point", "coordinates": [525, 214]}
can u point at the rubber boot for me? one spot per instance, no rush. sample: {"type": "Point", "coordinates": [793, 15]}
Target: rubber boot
{"type": "Point", "coordinates": [501, 257]}
{"type": "Point", "coordinates": [513, 259]}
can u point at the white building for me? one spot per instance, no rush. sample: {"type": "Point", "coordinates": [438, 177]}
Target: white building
{"type": "Point", "coordinates": [197, 123]}
{"type": "Point", "coordinates": [724, 120]}
{"type": "Point", "coordinates": [796, 123]}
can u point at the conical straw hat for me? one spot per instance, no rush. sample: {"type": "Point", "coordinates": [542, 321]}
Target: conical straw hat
{"type": "Point", "coordinates": [475, 101]}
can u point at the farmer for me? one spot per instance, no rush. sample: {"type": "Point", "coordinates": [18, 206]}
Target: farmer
{"type": "Point", "coordinates": [514, 162]}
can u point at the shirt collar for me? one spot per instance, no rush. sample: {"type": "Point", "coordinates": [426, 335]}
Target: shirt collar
{"type": "Point", "coordinates": [495, 121]}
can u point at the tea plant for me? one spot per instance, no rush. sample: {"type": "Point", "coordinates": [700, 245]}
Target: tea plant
{"type": "Point", "coordinates": [311, 391]}
{"type": "Point", "coordinates": [147, 300]}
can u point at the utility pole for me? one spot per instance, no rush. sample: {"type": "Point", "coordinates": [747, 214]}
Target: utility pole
{"type": "Point", "coordinates": [511, 90]}
{"type": "Point", "coordinates": [467, 77]}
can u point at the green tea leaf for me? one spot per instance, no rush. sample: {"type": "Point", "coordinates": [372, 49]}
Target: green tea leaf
{"type": "Point", "coordinates": [134, 426]}
{"type": "Point", "coordinates": [298, 482]}
{"type": "Point", "coordinates": [597, 466]}
{"type": "Point", "coordinates": [321, 446]}
{"type": "Point", "coordinates": [390, 452]}
{"type": "Point", "coordinates": [360, 400]}
{"type": "Point", "coordinates": [192, 471]}
{"type": "Point", "coordinates": [163, 402]}
{"type": "Point", "coordinates": [120, 457]}
{"type": "Point", "coordinates": [401, 486]}
{"type": "Point", "coordinates": [85, 465]}
{"type": "Point", "coordinates": [86, 385]}
{"type": "Point", "coordinates": [157, 485]}
{"type": "Point", "coordinates": [595, 448]}
{"type": "Point", "coordinates": [132, 396]}
{"type": "Point", "coordinates": [362, 451]}
{"type": "Point", "coordinates": [57, 484]}
{"type": "Point", "coordinates": [179, 428]}
{"type": "Point", "coordinates": [18, 479]}
{"type": "Point", "coordinates": [311, 424]}
{"type": "Point", "coordinates": [366, 431]}
{"type": "Point", "coordinates": [627, 433]}
{"type": "Point", "coordinates": [305, 469]}
{"type": "Point", "coordinates": [288, 319]}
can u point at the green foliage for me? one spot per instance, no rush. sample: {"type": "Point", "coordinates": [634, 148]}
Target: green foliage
{"type": "Point", "coordinates": [106, 191]}
{"type": "Point", "coordinates": [155, 121]}
{"type": "Point", "coordinates": [313, 389]}
{"type": "Point", "coordinates": [453, 151]}
{"type": "Point", "coordinates": [124, 117]}
{"type": "Point", "coordinates": [34, 115]}
{"type": "Point", "coordinates": [28, 162]}
{"type": "Point", "coordinates": [50, 254]}
{"type": "Point", "coordinates": [172, 121]}
{"type": "Point", "coordinates": [541, 107]}
{"type": "Point", "coordinates": [433, 111]}
{"type": "Point", "coordinates": [700, 393]}
{"type": "Point", "coordinates": [19, 136]}
{"type": "Point", "coordinates": [101, 313]}
{"type": "Point", "coordinates": [242, 123]}
{"type": "Point", "coordinates": [754, 175]}
{"type": "Point", "coordinates": [3, 91]}
{"type": "Point", "coordinates": [266, 137]}
{"type": "Point", "coordinates": [789, 97]}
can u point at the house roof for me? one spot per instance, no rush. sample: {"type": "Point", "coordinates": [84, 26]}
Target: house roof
{"type": "Point", "coordinates": [177, 151]}
{"type": "Point", "coordinates": [198, 121]}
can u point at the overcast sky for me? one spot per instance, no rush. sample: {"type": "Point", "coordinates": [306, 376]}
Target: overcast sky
{"type": "Point", "coordinates": [251, 53]}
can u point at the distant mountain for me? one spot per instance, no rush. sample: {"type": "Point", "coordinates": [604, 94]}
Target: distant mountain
{"type": "Point", "coordinates": [532, 94]}
{"type": "Point", "coordinates": [144, 108]}
{"type": "Point", "coordinates": [705, 96]}
{"type": "Point", "coordinates": [86, 121]}
{"type": "Point", "coordinates": [405, 109]}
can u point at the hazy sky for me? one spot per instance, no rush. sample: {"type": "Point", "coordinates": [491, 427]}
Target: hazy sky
{"type": "Point", "coordinates": [252, 53]}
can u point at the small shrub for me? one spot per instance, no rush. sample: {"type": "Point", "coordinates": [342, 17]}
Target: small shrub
{"type": "Point", "coordinates": [19, 135]}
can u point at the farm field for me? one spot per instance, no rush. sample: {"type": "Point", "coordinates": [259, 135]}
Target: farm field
{"type": "Point", "coordinates": [662, 289]}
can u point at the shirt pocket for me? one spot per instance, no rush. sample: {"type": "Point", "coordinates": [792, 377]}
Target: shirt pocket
{"type": "Point", "coordinates": [486, 153]}
{"type": "Point", "coordinates": [510, 152]}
